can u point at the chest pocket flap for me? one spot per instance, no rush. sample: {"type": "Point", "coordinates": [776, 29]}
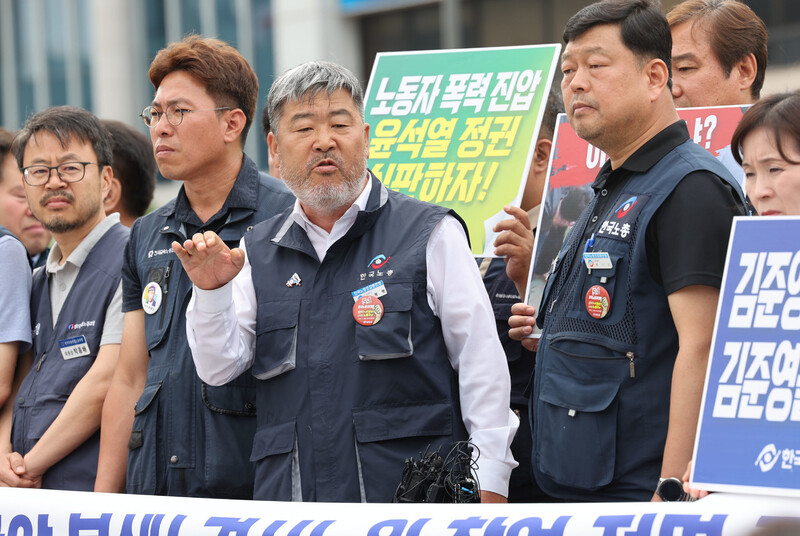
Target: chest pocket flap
{"type": "Point", "coordinates": [276, 339]}
{"type": "Point", "coordinates": [390, 337]}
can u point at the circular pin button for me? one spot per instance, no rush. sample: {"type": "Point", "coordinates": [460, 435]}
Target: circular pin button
{"type": "Point", "coordinates": [598, 302]}
{"type": "Point", "coordinates": [368, 310]}
{"type": "Point", "coordinates": [151, 298]}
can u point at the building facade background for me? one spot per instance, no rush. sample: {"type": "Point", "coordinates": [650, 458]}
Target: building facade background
{"type": "Point", "coordinates": [95, 53]}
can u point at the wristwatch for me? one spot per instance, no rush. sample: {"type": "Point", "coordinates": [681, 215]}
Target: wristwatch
{"type": "Point", "coordinates": [671, 490]}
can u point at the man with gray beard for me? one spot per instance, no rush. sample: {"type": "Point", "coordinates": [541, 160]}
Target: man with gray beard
{"type": "Point", "coordinates": [360, 310]}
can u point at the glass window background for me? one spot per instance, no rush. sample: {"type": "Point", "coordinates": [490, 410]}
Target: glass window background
{"type": "Point", "coordinates": [46, 49]}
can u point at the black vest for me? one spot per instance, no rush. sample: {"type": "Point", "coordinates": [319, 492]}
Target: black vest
{"type": "Point", "coordinates": [56, 369]}
{"type": "Point", "coordinates": [600, 406]}
{"type": "Point", "coordinates": [342, 405]}
{"type": "Point", "coordinates": [190, 438]}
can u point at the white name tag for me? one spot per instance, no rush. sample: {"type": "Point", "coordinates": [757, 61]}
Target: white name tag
{"type": "Point", "coordinates": [74, 347]}
{"type": "Point", "coordinates": [597, 260]}
{"type": "Point", "coordinates": [377, 290]}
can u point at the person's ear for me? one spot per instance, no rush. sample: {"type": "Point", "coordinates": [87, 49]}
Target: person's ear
{"type": "Point", "coordinates": [745, 71]}
{"type": "Point", "coordinates": [657, 77]}
{"type": "Point", "coordinates": [234, 121]}
{"type": "Point", "coordinates": [112, 195]}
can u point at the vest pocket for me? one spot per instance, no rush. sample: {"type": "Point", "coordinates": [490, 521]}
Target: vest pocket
{"type": "Point", "coordinates": [277, 467]}
{"type": "Point", "coordinates": [390, 337]}
{"type": "Point", "coordinates": [65, 375]}
{"type": "Point", "coordinates": [387, 436]}
{"type": "Point", "coordinates": [276, 339]}
{"type": "Point", "coordinates": [142, 457]}
{"type": "Point", "coordinates": [229, 427]}
{"type": "Point", "coordinates": [607, 280]}
{"type": "Point", "coordinates": [576, 430]}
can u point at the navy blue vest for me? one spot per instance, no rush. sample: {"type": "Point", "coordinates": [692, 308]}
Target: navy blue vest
{"type": "Point", "coordinates": [342, 405]}
{"type": "Point", "coordinates": [45, 389]}
{"type": "Point", "coordinates": [190, 438]}
{"type": "Point", "coordinates": [600, 406]}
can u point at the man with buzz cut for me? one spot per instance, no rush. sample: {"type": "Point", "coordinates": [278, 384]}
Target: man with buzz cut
{"type": "Point", "coordinates": [622, 357]}
{"type": "Point", "coordinates": [359, 311]}
{"type": "Point", "coordinates": [65, 157]}
{"type": "Point", "coordinates": [165, 431]}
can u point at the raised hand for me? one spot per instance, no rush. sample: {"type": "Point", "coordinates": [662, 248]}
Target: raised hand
{"type": "Point", "coordinates": [208, 261]}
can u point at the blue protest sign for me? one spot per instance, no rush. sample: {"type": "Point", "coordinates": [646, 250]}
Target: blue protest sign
{"type": "Point", "coordinates": [748, 437]}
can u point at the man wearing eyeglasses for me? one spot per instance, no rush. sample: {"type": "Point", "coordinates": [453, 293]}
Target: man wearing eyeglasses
{"type": "Point", "coordinates": [65, 157]}
{"type": "Point", "coordinates": [166, 432]}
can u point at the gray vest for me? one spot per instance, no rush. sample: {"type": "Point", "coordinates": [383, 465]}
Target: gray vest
{"type": "Point", "coordinates": [58, 360]}
{"type": "Point", "coordinates": [341, 405]}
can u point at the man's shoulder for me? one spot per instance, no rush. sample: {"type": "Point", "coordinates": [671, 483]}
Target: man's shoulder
{"type": "Point", "coordinates": [274, 195]}
{"type": "Point", "coordinates": [414, 204]}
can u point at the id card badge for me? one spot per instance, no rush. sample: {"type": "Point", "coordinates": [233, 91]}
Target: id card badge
{"type": "Point", "coordinates": [597, 260]}
{"type": "Point", "coordinates": [74, 347]}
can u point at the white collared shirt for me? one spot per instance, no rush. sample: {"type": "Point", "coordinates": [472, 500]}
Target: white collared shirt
{"type": "Point", "coordinates": [220, 326]}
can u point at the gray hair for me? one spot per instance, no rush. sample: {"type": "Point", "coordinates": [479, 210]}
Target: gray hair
{"type": "Point", "coordinates": [308, 80]}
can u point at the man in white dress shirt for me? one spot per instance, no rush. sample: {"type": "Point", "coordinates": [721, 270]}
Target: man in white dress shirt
{"type": "Point", "coordinates": [360, 309]}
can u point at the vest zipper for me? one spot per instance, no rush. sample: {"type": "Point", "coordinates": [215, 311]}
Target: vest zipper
{"type": "Point", "coordinates": [164, 291]}
{"type": "Point", "coordinates": [633, 367]}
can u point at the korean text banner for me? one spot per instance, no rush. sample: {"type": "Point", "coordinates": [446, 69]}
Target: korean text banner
{"type": "Point", "coordinates": [456, 127]}
{"type": "Point", "coordinates": [749, 433]}
{"type": "Point", "coordinates": [574, 164]}
{"type": "Point", "coordinates": [29, 512]}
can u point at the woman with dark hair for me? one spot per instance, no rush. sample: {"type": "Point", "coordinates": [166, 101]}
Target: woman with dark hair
{"type": "Point", "coordinates": [767, 145]}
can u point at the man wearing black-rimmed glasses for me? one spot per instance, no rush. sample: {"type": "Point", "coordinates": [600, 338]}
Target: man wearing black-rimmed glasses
{"type": "Point", "coordinates": [65, 157]}
{"type": "Point", "coordinates": [165, 432]}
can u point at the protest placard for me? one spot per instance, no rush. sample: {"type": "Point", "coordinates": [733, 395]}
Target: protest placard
{"type": "Point", "coordinates": [748, 438]}
{"type": "Point", "coordinates": [456, 127]}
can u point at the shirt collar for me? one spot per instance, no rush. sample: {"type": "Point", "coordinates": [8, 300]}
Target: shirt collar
{"type": "Point", "coordinates": [78, 256]}
{"type": "Point", "coordinates": [649, 154]}
{"type": "Point", "coordinates": [243, 194]}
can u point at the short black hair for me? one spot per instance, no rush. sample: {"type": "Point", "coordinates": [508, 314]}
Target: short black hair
{"type": "Point", "coordinates": [66, 123]}
{"type": "Point", "coordinates": [642, 24]}
{"type": "Point", "coordinates": [134, 166]}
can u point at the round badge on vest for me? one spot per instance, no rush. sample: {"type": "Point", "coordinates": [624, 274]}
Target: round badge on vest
{"type": "Point", "coordinates": [151, 298]}
{"type": "Point", "coordinates": [368, 310]}
{"type": "Point", "coordinates": [598, 302]}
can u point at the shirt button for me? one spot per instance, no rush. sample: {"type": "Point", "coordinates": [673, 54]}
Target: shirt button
{"type": "Point", "coordinates": [173, 459]}
{"type": "Point", "coordinates": [604, 192]}
{"type": "Point", "coordinates": [20, 401]}
{"type": "Point", "coordinates": [594, 219]}
{"type": "Point", "coordinates": [62, 287]}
